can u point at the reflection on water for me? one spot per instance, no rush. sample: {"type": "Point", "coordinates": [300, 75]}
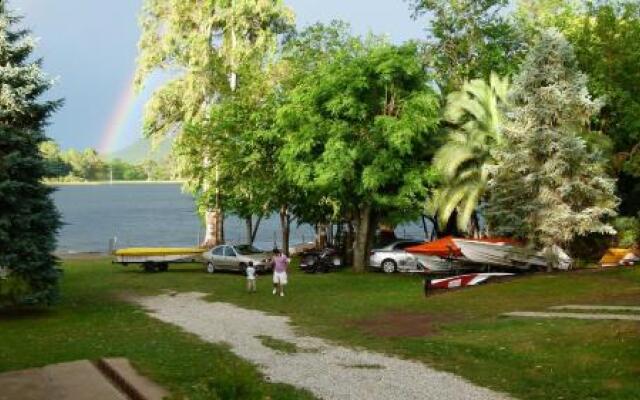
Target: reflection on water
{"type": "Point", "coordinates": [151, 215]}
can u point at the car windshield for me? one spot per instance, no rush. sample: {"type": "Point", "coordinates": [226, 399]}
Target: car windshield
{"type": "Point", "coordinates": [246, 249]}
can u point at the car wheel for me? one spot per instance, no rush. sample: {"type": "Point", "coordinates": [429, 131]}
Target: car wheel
{"type": "Point", "coordinates": [388, 266]}
{"type": "Point", "coordinates": [211, 268]}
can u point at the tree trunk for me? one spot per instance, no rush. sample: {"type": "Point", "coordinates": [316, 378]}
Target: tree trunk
{"type": "Point", "coordinates": [363, 237]}
{"type": "Point", "coordinates": [248, 222]}
{"type": "Point", "coordinates": [338, 239]}
{"type": "Point", "coordinates": [214, 217]}
{"type": "Point", "coordinates": [255, 229]}
{"type": "Point", "coordinates": [321, 236]}
{"type": "Point", "coordinates": [284, 224]}
{"type": "Point", "coordinates": [451, 229]}
{"type": "Point", "coordinates": [213, 230]}
{"type": "Point", "coordinates": [348, 244]}
{"type": "Point", "coordinates": [474, 226]}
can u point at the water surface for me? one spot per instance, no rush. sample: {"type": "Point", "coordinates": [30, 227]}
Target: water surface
{"type": "Point", "coordinates": [154, 215]}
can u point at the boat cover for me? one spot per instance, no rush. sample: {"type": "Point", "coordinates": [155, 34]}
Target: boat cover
{"type": "Point", "coordinates": [614, 257]}
{"type": "Point", "coordinates": [446, 247]}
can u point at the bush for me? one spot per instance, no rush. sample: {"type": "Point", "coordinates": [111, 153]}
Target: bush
{"type": "Point", "coordinates": [13, 289]}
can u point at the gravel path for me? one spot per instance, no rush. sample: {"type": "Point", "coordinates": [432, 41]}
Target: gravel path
{"type": "Point", "coordinates": [328, 371]}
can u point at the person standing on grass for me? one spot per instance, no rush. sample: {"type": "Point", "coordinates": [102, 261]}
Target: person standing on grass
{"type": "Point", "coordinates": [251, 278]}
{"type": "Point", "coordinates": [280, 264]}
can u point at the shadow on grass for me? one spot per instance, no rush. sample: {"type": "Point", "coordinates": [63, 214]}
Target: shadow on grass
{"type": "Point", "coordinates": [18, 313]}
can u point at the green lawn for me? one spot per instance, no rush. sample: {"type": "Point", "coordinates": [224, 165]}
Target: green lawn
{"type": "Point", "coordinates": [459, 331]}
{"type": "Point", "coordinates": [92, 321]}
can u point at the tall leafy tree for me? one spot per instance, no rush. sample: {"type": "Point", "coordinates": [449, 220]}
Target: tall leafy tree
{"type": "Point", "coordinates": [240, 129]}
{"type": "Point", "coordinates": [608, 51]}
{"type": "Point", "coordinates": [206, 46]}
{"type": "Point", "coordinates": [477, 114]}
{"type": "Point", "coordinates": [548, 187]}
{"type": "Point", "coordinates": [359, 129]}
{"type": "Point", "coordinates": [28, 218]}
{"type": "Point", "coordinates": [469, 39]}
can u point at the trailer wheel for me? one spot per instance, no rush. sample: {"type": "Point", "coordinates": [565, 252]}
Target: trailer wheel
{"type": "Point", "coordinates": [211, 268]}
{"type": "Point", "coordinates": [150, 267]}
{"type": "Point", "coordinates": [163, 267]}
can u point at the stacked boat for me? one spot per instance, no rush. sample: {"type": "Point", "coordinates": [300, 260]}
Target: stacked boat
{"type": "Point", "coordinates": [499, 252]}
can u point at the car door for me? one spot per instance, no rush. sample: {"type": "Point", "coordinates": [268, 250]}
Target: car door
{"type": "Point", "coordinates": [231, 258]}
{"type": "Point", "coordinates": [217, 256]}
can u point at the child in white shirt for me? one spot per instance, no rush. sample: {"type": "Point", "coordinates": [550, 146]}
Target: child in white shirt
{"type": "Point", "coordinates": [251, 279]}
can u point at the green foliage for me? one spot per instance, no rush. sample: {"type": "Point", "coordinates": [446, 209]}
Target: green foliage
{"type": "Point", "coordinates": [239, 133]}
{"type": "Point", "coordinates": [469, 39]}
{"type": "Point", "coordinates": [548, 187]}
{"type": "Point", "coordinates": [359, 126]}
{"type": "Point", "coordinates": [606, 38]}
{"type": "Point", "coordinates": [213, 48]}
{"type": "Point", "coordinates": [13, 290]}
{"type": "Point", "coordinates": [28, 218]}
{"type": "Point", "coordinates": [207, 42]}
{"type": "Point", "coordinates": [87, 165]}
{"type": "Point", "coordinates": [465, 159]}
{"type": "Point", "coordinates": [628, 231]}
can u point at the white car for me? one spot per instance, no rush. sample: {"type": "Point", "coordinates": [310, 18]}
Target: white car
{"type": "Point", "coordinates": [393, 257]}
{"type": "Point", "coordinates": [237, 258]}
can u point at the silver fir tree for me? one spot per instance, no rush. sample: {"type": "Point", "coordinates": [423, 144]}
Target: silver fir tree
{"type": "Point", "coordinates": [547, 187]}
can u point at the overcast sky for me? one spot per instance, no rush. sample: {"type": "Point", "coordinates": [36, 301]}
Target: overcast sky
{"type": "Point", "coordinates": [90, 47]}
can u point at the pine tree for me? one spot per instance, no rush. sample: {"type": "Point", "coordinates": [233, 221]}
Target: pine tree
{"type": "Point", "coordinates": [28, 218]}
{"type": "Point", "coordinates": [548, 188]}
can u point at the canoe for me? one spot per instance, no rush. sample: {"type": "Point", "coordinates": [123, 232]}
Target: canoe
{"type": "Point", "coordinates": [464, 280]}
{"type": "Point", "coordinates": [159, 254]}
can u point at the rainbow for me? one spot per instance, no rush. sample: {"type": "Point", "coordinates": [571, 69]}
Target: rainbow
{"type": "Point", "coordinates": [119, 118]}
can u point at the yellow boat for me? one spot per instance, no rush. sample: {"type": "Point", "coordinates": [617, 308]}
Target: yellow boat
{"type": "Point", "coordinates": [158, 258]}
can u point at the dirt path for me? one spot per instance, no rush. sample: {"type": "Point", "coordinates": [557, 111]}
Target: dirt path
{"type": "Point", "coordinates": [327, 370]}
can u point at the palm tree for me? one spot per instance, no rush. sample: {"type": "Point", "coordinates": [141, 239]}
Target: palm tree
{"type": "Point", "coordinates": [465, 160]}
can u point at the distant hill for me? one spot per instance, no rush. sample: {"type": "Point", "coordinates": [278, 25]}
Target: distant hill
{"type": "Point", "coordinates": [141, 150]}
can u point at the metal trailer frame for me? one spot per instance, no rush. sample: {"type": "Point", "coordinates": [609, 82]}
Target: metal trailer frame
{"type": "Point", "coordinates": [158, 262]}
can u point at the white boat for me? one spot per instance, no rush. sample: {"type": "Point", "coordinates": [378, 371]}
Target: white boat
{"type": "Point", "coordinates": [508, 255]}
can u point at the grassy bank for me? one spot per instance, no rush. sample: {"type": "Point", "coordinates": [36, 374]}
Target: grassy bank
{"type": "Point", "coordinates": [459, 331]}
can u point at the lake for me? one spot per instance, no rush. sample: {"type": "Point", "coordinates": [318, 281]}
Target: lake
{"type": "Point", "coordinates": [153, 215]}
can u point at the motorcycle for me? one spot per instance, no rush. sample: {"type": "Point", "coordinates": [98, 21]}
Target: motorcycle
{"type": "Point", "coordinates": [324, 261]}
